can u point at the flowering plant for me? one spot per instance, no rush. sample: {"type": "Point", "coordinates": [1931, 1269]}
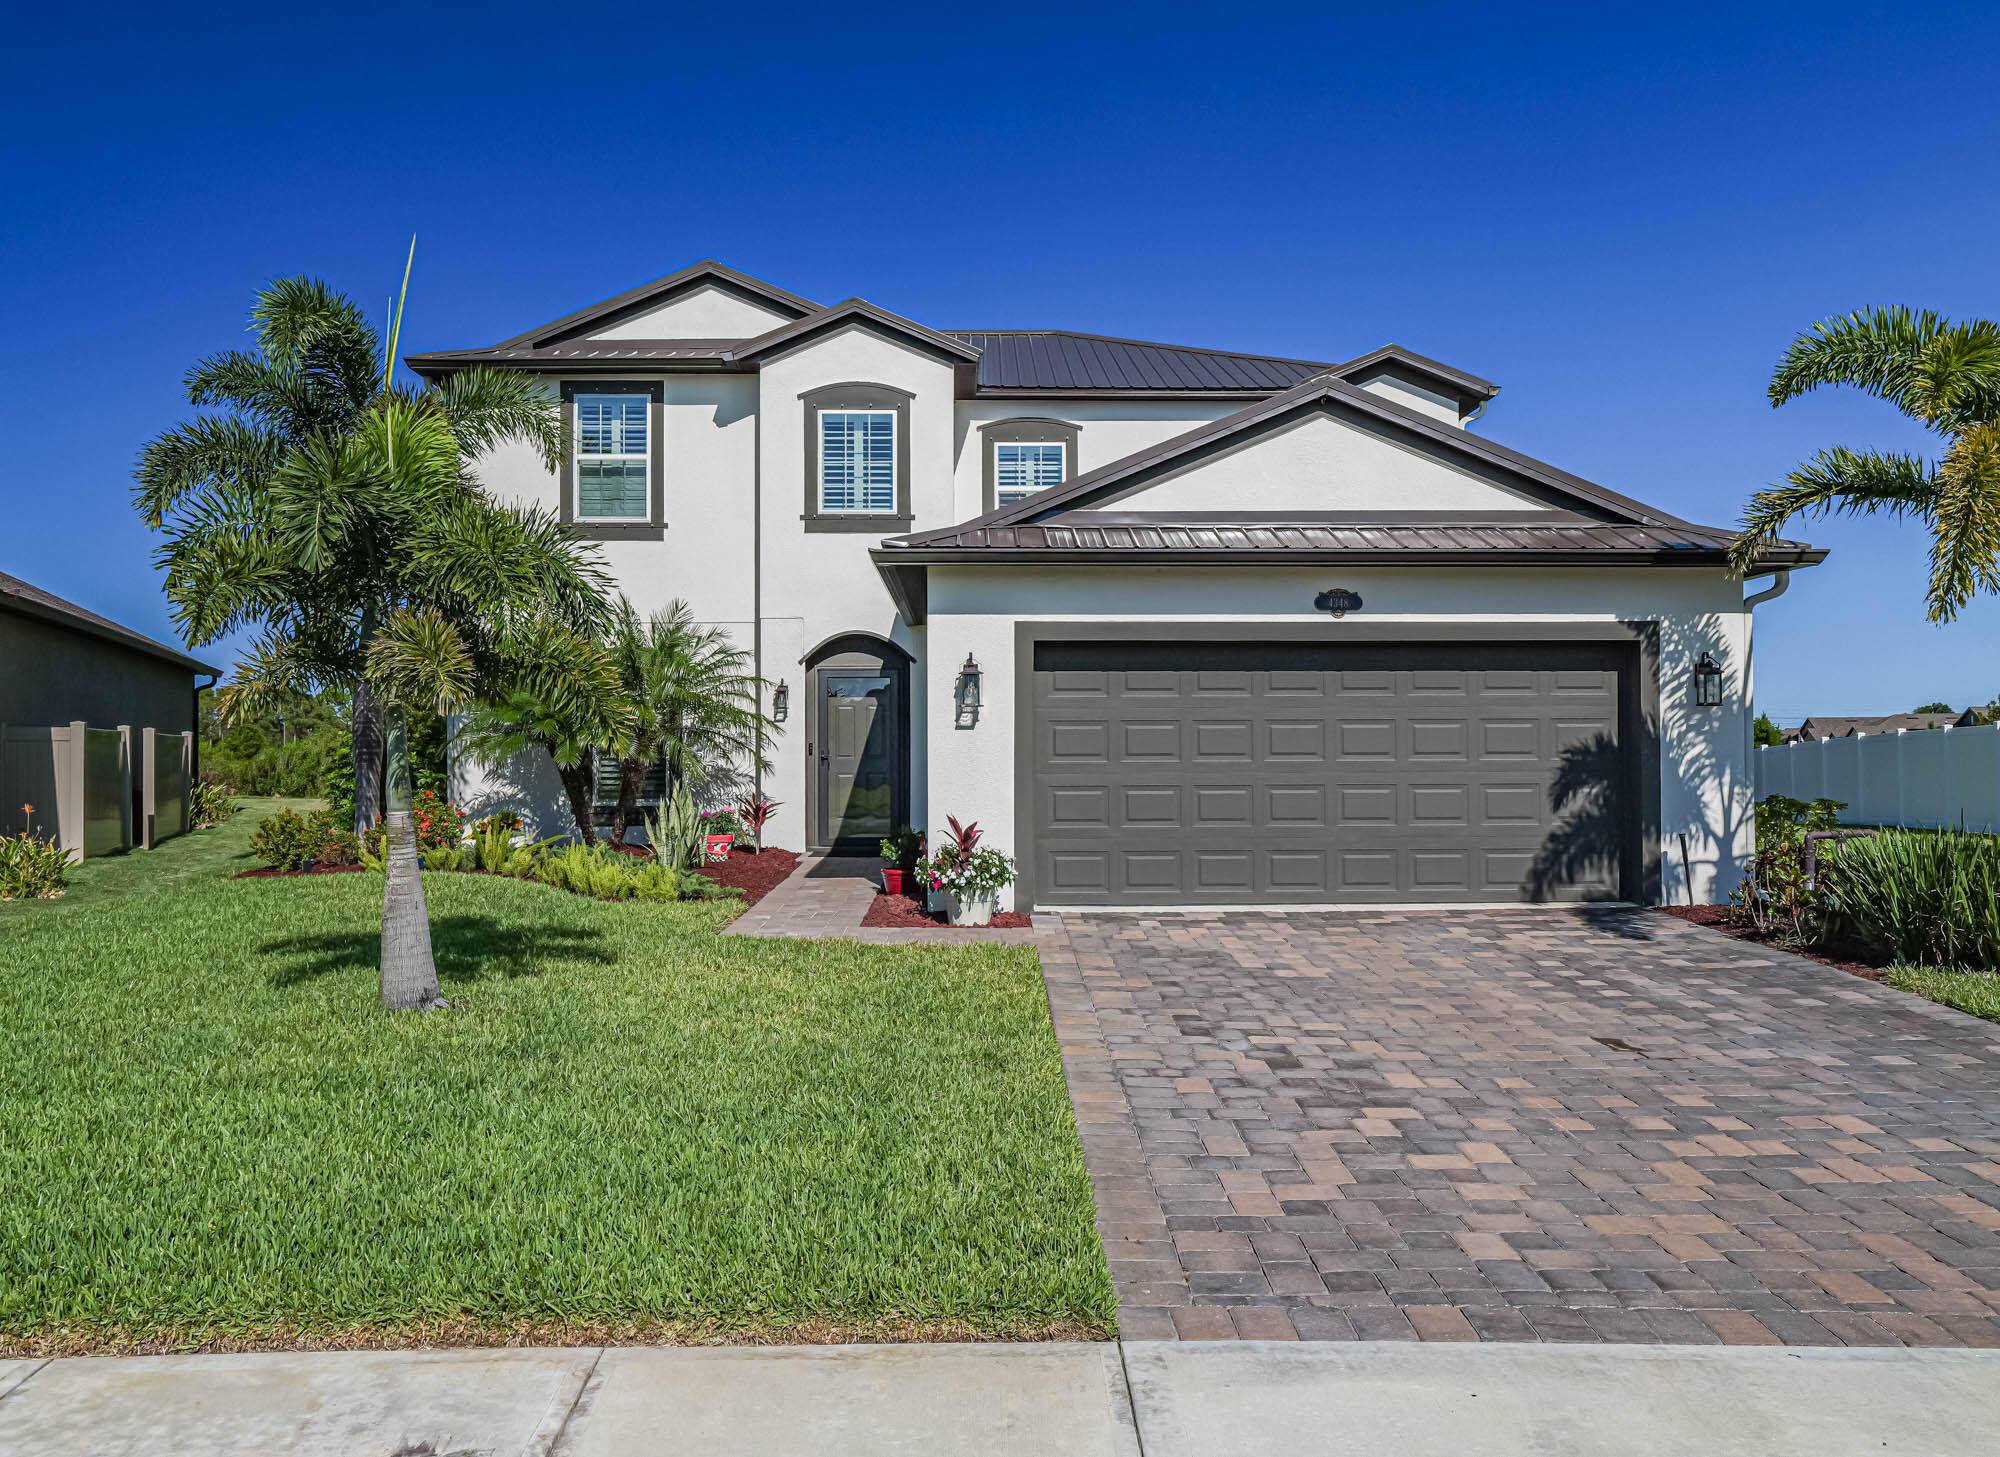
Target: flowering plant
{"type": "Point", "coordinates": [440, 823]}
{"type": "Point", "coordinates": [963, 868]}
{"type": "Point", "coordinates": [31, 867]}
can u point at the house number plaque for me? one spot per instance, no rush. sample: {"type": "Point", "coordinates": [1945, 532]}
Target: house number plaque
{"type": "Point", "coordinates": [1339, 601]}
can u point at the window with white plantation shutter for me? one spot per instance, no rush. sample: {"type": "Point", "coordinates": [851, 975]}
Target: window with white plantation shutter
{"type": "Point", "coordinates": [857, 461]}
{"type": "Point", "coordinates": [611, 460]}
{"type": "Point", "coordinates": [1021, 468]}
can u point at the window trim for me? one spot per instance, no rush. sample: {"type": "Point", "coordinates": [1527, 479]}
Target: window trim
{"type": "Point", "coordinates": [856, 395]}
{"type": "Point", "coordinates": [1024, 430]}
{"type": "Point", "coordinates": [653, 526]}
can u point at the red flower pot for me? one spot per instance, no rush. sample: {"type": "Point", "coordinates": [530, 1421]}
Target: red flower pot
{"type": "Point", "coordinates": [718, 847]}
{"type": "Point", "coordinates": [892, 880]}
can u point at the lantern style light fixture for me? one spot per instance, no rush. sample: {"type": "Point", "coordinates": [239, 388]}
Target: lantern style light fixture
{"type": "Point", "coordinates": [781, 702]}
{"type": "Point", "coordinates": [1707, 683]}
{"type": "Point", "coordinates": [967, 692]}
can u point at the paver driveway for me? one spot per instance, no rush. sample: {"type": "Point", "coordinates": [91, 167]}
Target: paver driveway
{"type": "Point", "coordinates": [1523, 1125]}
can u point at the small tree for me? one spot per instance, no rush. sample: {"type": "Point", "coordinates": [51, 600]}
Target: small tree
{"type": "Point", "coordinates": [1939, 707]}
{"type": "Point", "coordinates": [695, 705]}
{"type": "Point", "coordinates": [571, 729]}
{"type": "Point", "coordinates": [1768, 734]}
{"type": "Point", "coordinates": [226, 489]}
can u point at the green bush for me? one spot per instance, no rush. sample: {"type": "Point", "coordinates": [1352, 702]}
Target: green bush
{"type": "Point", "coordinates": [1929, 897]}
{"type": "Point", "coordinates": [1775, 896]}
{"type": "Point", "coordinates": [607, 874]}
{"type": "Point", "coordinates": [208, 806]}
{"type": "Point", "coordinates": [32, 868]}
{"type": "Point", "coordinates": [287, 840]}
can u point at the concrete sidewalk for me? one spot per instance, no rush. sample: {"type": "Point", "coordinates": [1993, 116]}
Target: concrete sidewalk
{"type": "Point", "coordinates": [1144, 1399]}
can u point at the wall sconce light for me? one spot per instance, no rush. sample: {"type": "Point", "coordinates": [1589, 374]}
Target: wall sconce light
{"type": "Point", "coordinates": [781, 702]}
{"type": "Point", "coordinates": [1707, 683]}
{"type": "Point", "coordinates": [967, 692]}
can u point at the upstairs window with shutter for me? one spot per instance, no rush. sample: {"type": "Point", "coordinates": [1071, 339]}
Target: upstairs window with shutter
{"type": "Point", "coordinates": [613, 434]}
{"type": "Point", "coordinates": [857, 461]}
{"type": "Point", "coordinates": [1021, 468]}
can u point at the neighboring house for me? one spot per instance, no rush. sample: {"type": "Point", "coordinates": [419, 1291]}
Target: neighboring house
{"type": "Point", "coordinates": [1822, 727]}
{"type": "Point", "coordinates": [61, 666]}
{"type": "Point", "coordinates": [1176, 626]}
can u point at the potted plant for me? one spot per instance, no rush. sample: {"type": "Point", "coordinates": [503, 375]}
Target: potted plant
{"type": "Point", "coordinates": [969, 875]}
{"type": "Point", "coordinates": [901, 851]}
{"type": "Point", "coordinates": [754, 813]}
{"type": "Point", "coordinates": [718, 833]}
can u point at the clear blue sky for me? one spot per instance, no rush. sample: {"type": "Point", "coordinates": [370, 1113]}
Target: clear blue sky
{"type": "Point", "coordinates": [1621, 216]}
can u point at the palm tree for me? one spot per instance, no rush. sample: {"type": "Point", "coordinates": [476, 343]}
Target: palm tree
{"type": "Point", "coordinates": [695, 705]}
{"type": "Point", "coordinates": [235, 554]}
{"type": "Point", "coordinates": [463, 599]}
{"type": "Point", "coordinates": [572, 730]}
{"type": "Point", "coordinates": [1944, 374]}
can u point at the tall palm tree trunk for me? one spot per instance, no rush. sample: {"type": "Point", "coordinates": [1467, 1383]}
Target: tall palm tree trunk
{"type": "Point", "coordinates": [409, 972]}
{"type": "Point", "coordinates": [367, 723]}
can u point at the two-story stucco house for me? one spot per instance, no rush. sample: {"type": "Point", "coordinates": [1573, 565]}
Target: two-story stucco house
{"type": "Point", "coordinates": [1178, 627]}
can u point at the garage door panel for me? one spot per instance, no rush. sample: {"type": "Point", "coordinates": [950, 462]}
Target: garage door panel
{"type": "Point", "coordinates": [1381, 774]}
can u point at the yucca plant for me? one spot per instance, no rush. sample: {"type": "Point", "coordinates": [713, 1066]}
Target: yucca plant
{"type": "Point", "coordinates": [1930, 897]}
{"type": "Point", "coordinates": [677, 837]}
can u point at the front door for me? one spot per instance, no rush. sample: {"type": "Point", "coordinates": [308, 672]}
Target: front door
{"type": "Point", "coordinates": [860, 757]}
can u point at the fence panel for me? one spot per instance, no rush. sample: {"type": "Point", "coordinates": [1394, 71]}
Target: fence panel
{"type": "Point", "coordinates": [107, 791]}
{"type": "Point", "coordinates": [1939, 778]}
{"type": "Point", "coordinates": [32, 764]}
{"type": "Point", "coordinates": [163, 806]}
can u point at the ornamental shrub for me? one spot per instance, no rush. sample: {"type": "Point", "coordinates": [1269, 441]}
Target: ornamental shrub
{"type": "Point", "coordinates": [1775, 896]}
{"type": "Point", "coordinates": [1930, 897]}
{"type": "Point", "coordinates": [32, 868]}
{"type": "Point", "coordinates": [208, 806]}
{"type": "Point", "coordinates": [287, 840]}
{"type": "Point", "coordinates": [440, 823]}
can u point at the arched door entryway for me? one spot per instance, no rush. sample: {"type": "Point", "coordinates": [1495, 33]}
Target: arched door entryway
{"type": "Point", "coordinates": [857, 742]}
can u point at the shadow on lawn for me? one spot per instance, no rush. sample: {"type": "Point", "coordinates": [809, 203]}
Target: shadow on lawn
{"type": "Point", "coordinates": [468, 948]}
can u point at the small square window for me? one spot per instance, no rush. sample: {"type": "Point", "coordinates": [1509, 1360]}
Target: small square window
{"type": "Point", "coordinates": [857, 462]}
{"type": "Point", "coordinates": [1021, 468]}
{"type": "Point", "coordinates": [613, 469]}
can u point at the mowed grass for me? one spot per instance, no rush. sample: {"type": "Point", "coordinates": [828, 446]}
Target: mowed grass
{"type": "Point", "coordinates": [210, 1133]}
{"type": "Point", "coordinates": [1977, 992]}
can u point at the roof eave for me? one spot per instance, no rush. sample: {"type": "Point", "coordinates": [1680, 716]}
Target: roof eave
{"type": "Point", "coordinates": [110, 632]}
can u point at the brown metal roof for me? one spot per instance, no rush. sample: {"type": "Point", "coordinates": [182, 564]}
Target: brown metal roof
{"type": "Point", "coordinates": [31, 600]}
{"type": "Point", "coordinates": [1045, 361]}
{"type": "Point", "coordinates": [1085, 532]}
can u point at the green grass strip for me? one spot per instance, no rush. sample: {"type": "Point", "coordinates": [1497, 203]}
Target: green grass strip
{"type": "Point", "coordinates": [1977, 992]}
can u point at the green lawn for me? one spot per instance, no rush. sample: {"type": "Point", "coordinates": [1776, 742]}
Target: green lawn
{"type": "Point", "coordinates": [625, 1124]}
{"type": "Point", "coordinates": [204, 854]}
{"type": "Point", "coordinates": [1977, 992]}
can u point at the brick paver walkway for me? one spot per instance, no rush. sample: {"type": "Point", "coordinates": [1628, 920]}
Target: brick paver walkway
{"type": "Point", "coordinates": [1533, 1125]}
{"type": "Point", "coordinates": [829, 894]}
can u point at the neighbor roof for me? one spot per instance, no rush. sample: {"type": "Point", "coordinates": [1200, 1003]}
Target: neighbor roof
{"type": "Point", "coordinates": [32, 601]}
{"type": "Point", "coordinates": [1822, 727]}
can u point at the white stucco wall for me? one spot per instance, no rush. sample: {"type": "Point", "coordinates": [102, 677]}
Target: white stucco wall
{"type": "Point", "coordinates": [1412, 396]}
{"type": "Point", "coordinates": [1322, 464]}
{"type": "Point", "coordinates": [1107, 430]}
{"type": "Point", "coordinates": [1704, 786]}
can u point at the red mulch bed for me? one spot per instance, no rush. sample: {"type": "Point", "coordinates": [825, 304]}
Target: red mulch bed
{"type": "Point", "coordinates": [900, 912]}
{"type": "Point", "coordinates": [1849, 959]}
{"type": "Point", "coordinates": [755, 874]}
{"type": "Point", "coordinates": [266, 871]}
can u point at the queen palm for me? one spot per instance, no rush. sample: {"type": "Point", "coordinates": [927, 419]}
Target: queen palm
{"type": "Point", "coordinates": [694, 702]}
{"type": "Point", "coordinates": [316, 377]}
{"type": "Point", "coordinates": [1944, 374]}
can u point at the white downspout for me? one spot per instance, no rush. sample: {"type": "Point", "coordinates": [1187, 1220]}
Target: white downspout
{"type": "Point", "coordinates": [1779, 585]}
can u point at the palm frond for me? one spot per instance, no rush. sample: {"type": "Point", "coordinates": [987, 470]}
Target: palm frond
{"type": "Point", "coordinates": [271, 675]}
{"type": "Point", "coordinates": [1836, 482]}
{"type": "Point", "coordinates": [420, 660]}
{"type": "Point", "coordinates": [1966, 545]}
{"type": "Point", "coordinates": [304, 319]}
{"type": "Point", "coordinates": [1876, 350]}
{"type": "Point", "coordinates": [208, 453]}
{"type": "Point", "coordinates": [488, 408]}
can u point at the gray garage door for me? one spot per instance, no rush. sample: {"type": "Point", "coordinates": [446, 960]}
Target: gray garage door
{"type": "Point", "coordinates": [1248, 774]}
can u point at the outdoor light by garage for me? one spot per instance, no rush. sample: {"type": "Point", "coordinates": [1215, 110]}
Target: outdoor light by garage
{"type": "Point", "coordinates": [781, 702]}
{"type": "Point", "coordinates": [968, 693]}
{"type": "Point", "coordinates": [1707, 683]}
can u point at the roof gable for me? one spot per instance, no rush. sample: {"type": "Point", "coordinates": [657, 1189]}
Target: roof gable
{"type": "Point", "coordinates": [859, 313]}
{"type": "Point", "coordinates": [1536, 482]}
{"type": "Point", "coordinates": [647, 297]}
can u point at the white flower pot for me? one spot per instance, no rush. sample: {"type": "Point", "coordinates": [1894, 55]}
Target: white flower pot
{"type": "Point", "coordinates": [972, 910]}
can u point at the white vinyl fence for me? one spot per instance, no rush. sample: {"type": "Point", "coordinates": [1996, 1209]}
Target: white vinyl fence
{"type": "Point", "coordinates": [1940, 778]}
